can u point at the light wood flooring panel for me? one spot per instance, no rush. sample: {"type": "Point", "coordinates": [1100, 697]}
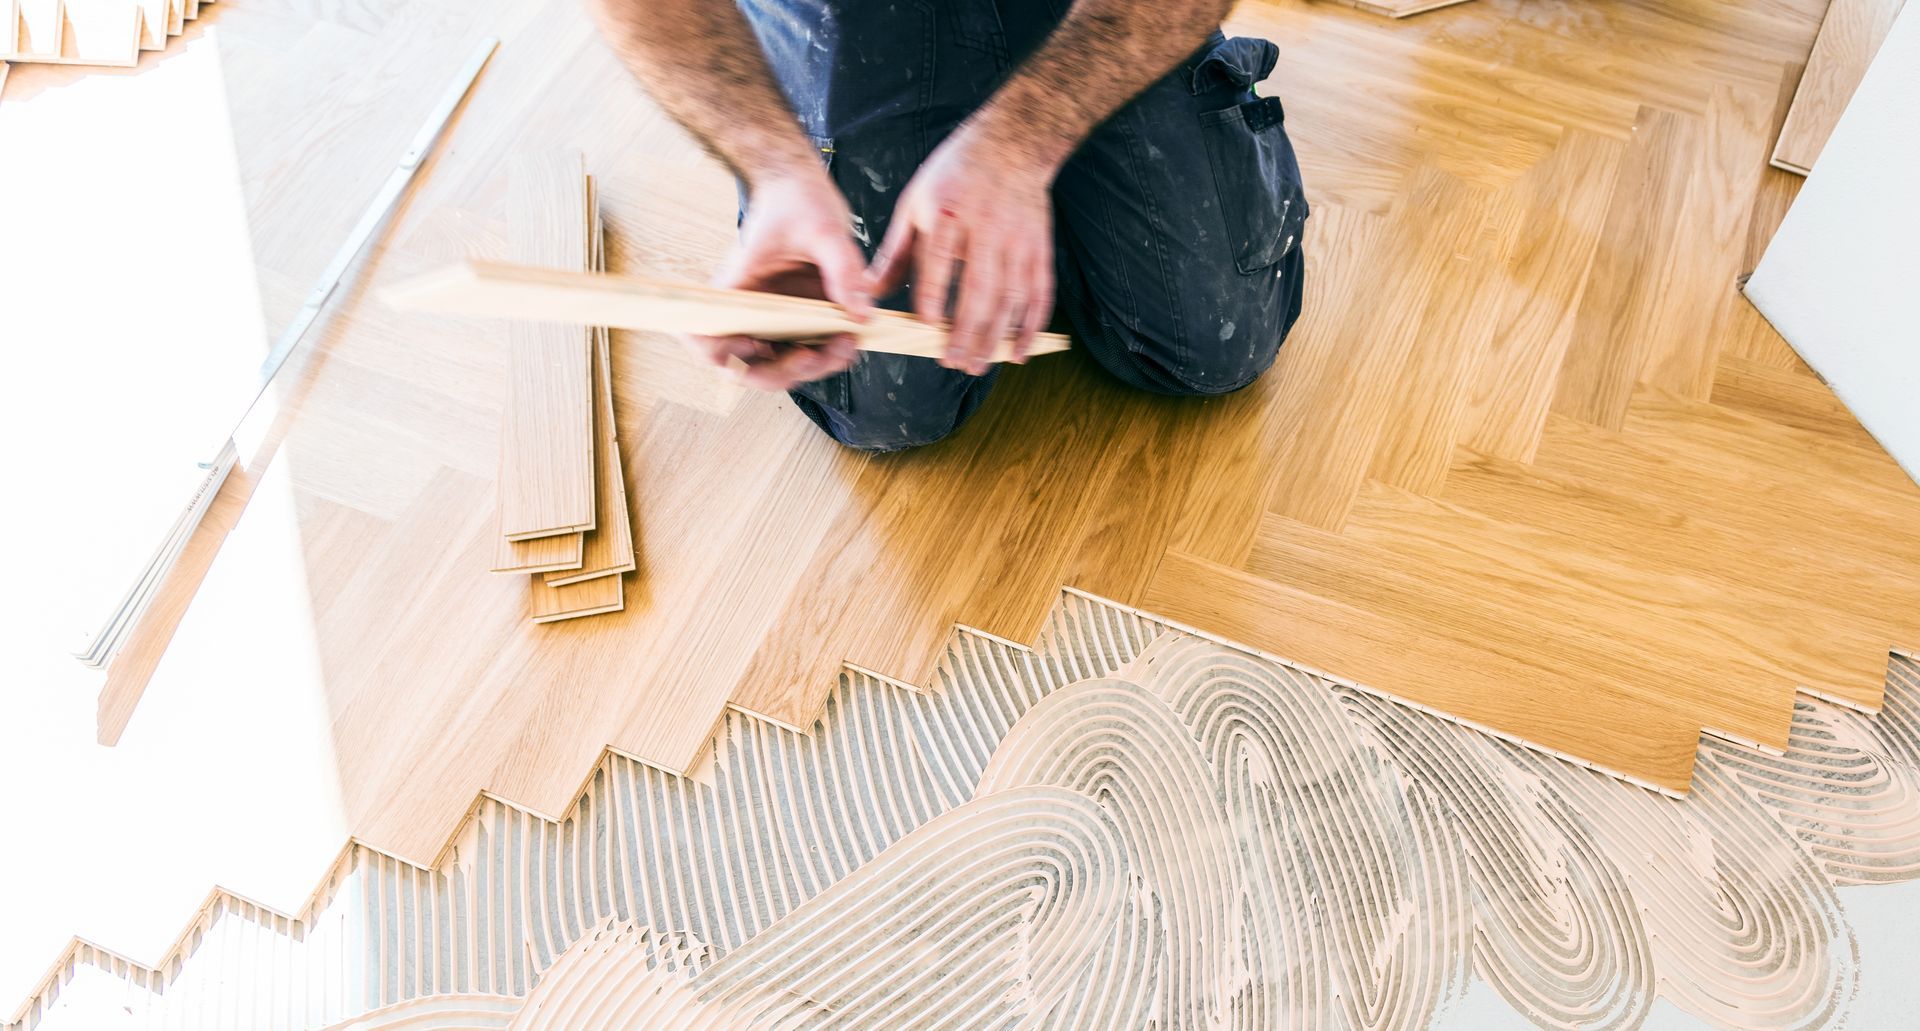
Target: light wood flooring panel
{"type": "Point", "coordinates": [769, 555]}
{"type": "Point", "coordinates": [609, 545]}
{"type": "Point", "coordinates": [1433, 232]}
{"type": "Point", "coordinates": [1559, 204]}
{"type": "Point", "coordinates": [1513, 693]}
{"type": "Point", "coordinates": [1624, 286]}
{"type": "Point", "coordinates": [546, 436]}
{"type": "Point", "coordinates": [1849, 37]}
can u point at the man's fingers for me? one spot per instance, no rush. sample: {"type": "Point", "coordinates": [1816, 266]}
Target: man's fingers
{"type": "Point", "coordinates": [843, 273]}
{"type": "Point", "coordinates": [975, 329]}
{"type": "Point", "coordinates": [934, 258]}
{"type": "Point", "coordinates": [719, 349]}
{"type": "Point", "coordinates": [891, 261]}
{"type": "Point", "coordinates": [1039, 303]}
{"type": "Point", "coordinates": [800, 363]}
{"type": "Point", "coordinates": [1006, 321]}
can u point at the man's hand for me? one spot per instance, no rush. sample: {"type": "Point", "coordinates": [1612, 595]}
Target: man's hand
{"type": "Point", "coordinates": [979, 214]}
{"type": "Point", "coordinates": [796, 240]}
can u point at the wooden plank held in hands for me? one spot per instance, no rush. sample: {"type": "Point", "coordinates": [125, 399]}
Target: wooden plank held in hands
{"type": "Point", "coordinates": [500, 290]}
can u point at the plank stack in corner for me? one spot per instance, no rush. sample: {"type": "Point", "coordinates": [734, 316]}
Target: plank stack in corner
{"type": "Point", "coordinates": [109, 33]}
{"type": "Point", "coordinates": [563, 514]}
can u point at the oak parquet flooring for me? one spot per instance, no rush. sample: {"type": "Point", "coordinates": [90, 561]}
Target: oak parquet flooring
{"type": "Point", "coordinates": [1624, 285]}
{"type": "Point", "coordinates": [1515, 587]}
{"type": "Point", "coordinates": [1529, 701]}
{"type": "Point", "coordinates": [1697, 282]}
{"type": "Point", "coordinates": [1236, 475]}
{"type": "Point", "coordinates": [1434, 230]}
{"type": "Point", "coordinates": [768, 556]}
{"type": "Point", "coordinates": [1561, 203]}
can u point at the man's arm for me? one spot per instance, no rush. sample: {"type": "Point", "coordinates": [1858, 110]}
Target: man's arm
{"type": "Point", "coordinates": [982, 199]}
{"type": "Point", "coordinates": [702, 63]}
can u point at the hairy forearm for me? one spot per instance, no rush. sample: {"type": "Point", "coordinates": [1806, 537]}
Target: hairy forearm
{"type": "Point", "coordinates": [1098, 57]}
{"type": "Point", "coordinates": [702, 63]}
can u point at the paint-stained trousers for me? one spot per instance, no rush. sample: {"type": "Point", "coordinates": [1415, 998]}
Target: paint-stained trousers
{"type": "Point", "coordinates": [1177, 224]}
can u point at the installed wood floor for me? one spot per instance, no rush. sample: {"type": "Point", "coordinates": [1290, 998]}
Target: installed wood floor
{"type": "Point", "coordinates": [1529, 458]}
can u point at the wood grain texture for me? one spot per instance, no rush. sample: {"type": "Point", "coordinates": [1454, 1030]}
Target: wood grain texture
{"type": "Point", "coordinates": [770, 556]}
{"type": "Point", "coordinates": [1471, 680]}
{"type": "Point", "coordinates": [1559, 205]}
{"type": "Point", "coordinates": [563, 551]}
{"type": "Point", "coordinates": [1402, 8]}
{"type": "Point", "coordinates": [1328, 456]}
{"type": "Point", "coordinates": [1617, 310]}
{"type": "Point", "coordinates": [1849, 37]}
{"type": "Point", "coordinates": [609, 545]}
{"type": "Point", "coordinates": [642, 302]}
{"type": "Point", "coordinates": [546, 432]}
{"type": "Point", "coordinates": [591, 597]}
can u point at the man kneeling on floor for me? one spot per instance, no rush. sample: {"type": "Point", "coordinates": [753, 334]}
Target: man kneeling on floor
{"type": "Point", "coordinates": [917, 150]}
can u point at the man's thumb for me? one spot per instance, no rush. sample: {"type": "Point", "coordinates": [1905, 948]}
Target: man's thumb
{"type": "Point", "coordinates": [843, 274]}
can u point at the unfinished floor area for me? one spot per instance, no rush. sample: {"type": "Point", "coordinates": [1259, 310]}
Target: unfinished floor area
{"type": "Point", "coordinates": [1528, 461]}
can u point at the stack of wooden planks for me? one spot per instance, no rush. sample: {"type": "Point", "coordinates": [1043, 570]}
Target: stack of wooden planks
{"type": "Point", "coordinates": [97, 32]}
{"type": "Point", "coordinates": [563, 513]}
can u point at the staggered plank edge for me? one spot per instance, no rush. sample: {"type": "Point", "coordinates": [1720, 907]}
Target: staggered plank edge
{"type": "Point", "coordinates": [1039, 821]}
{"type": "Point", "coordinates": [101, 33]}
{"type": "Point", "coordinates": [563, 511]}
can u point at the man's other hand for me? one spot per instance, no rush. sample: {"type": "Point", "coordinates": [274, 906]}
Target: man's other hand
{"type": "Point", "coordinates": [796, 240]}
{"type": "Point", "coordinates": [979, 214]}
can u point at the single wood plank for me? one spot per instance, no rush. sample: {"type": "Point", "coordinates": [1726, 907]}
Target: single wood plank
{"type": "Point", "coordinates": [37, 31]}
{"type": "Point", "coordinates": [1624, 285]}
{"type": "Point", "coordinates": [153, 23]}
{"type": "Point", "coordinates": [645, 302]}
{"type": "Point", "coordinates": [1563, 201]}
{"type": "Point", "coordinates": [546, 439]}
{"type": "Point", "coordinates": [1511, 693]}
{"type": "Point", "coordinates": [1849, 37]}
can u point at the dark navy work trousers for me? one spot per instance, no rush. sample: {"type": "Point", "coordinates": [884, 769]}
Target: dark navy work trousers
{"type": "Point", "coordinates": [1177, 224]}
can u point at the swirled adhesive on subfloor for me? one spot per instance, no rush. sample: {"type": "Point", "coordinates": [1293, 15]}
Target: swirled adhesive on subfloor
{"type": "Point", "coordinates": [1127, 825]}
